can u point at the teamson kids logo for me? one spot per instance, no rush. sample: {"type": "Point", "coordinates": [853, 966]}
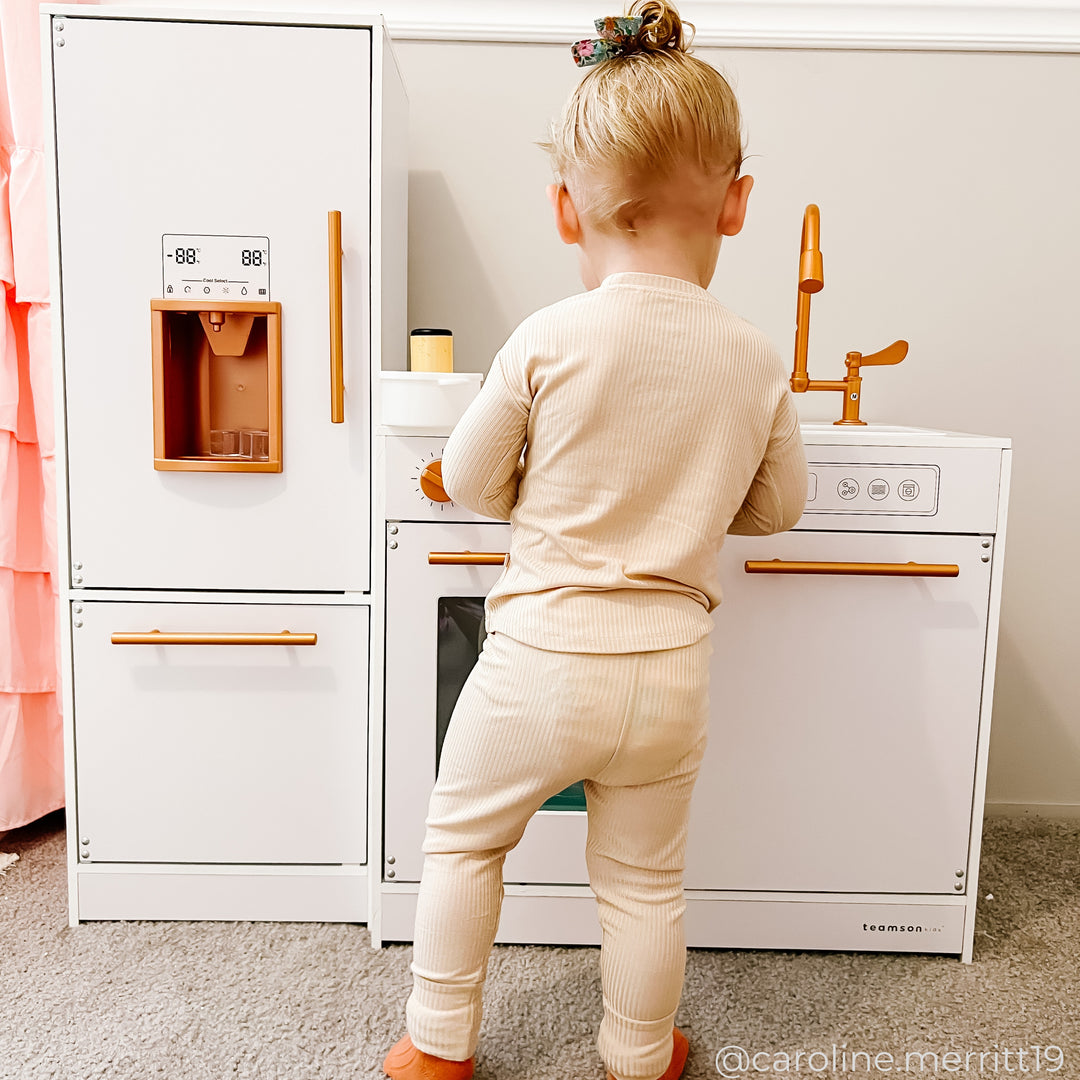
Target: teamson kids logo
{"type": "Point", "coordinates": [900, 928]}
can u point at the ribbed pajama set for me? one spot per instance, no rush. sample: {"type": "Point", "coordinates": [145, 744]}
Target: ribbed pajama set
{"type": "Point", "coordinates": [653, 421]}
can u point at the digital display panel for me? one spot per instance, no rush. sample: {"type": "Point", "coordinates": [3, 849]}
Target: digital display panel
{"type": "Point", "coordinates": [215, 267]}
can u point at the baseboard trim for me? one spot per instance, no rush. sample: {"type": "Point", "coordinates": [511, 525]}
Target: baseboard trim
{"type": "Point", "coordinates": [1058, 811]}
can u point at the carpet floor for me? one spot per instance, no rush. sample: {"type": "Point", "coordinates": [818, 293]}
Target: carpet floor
{"type": "Point", "coordinates": [299, 1001]}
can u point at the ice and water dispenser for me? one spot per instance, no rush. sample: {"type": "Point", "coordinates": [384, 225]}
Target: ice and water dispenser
{"type": "Point", "coordinates": [216, 339]}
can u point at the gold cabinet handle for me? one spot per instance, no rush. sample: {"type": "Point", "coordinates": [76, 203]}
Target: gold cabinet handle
{"type": "Point", "coordinates": [466, 558]}
{"type": "Point", "coordinates": [853, 569]}
{"type": "Point", "coordinates": [337, 341]}
{"type": "Point", "coordinates": [156, 637]}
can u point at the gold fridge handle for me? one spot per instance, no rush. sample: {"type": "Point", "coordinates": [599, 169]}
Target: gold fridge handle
{"type": "Point", "coordinates": [156, 637]}
{"type": "Point", "coordinates": [466, 558]}
{"type": "Point", "coordinates": [337, 344]}
{"type": "Point", "coordinates": [868, 569]}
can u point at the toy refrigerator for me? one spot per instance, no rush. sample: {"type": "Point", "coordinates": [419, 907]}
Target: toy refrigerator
{"type": "Point", "coordinates": [229, 240]}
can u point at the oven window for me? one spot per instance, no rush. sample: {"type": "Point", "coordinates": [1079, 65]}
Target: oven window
{"type": "Point", "coordinates": [461, 636]}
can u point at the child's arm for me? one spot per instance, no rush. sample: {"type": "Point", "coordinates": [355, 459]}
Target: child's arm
{"type": "Point", "coordinates": [481, 463]}
{"type": "Point", "coordinates": [777, 496]}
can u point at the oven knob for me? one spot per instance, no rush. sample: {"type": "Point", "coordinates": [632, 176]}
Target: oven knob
{"type": "Point", "coordinates": [431, 482]}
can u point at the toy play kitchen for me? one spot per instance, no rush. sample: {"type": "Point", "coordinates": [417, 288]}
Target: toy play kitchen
{"type": "Point", "coordinates": [270, 606]}
{"type": "Point", "coordinates": [840, 802]}
{"type": "Point", "coordinates": [229, 238]}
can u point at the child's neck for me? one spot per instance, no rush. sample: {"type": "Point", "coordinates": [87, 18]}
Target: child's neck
{"type": "Point", "coordinates": [692, 259]}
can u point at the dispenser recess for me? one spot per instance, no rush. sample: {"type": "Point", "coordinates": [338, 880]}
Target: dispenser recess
{"type": "Point", "coordinates": [217, 386]}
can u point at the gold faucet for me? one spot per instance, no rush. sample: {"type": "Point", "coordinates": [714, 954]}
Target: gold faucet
{"type": "Point", "coordinates": [812, 280]}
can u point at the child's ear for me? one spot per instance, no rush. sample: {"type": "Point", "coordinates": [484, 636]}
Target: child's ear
{"type": "Point", "coordinates": [567, 223]}
{"type": "Point", "coordinates": [733, 212]}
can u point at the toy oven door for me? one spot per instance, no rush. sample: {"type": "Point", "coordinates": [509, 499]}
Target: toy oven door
{"type": "Point", "coordinates": [434, 634]}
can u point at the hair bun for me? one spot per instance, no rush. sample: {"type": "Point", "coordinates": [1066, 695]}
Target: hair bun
{"type": "Point", "coordinates": [661, 27]}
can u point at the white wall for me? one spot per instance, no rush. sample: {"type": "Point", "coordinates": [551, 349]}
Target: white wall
{"type": "Point", "coordinates": [947, 185]}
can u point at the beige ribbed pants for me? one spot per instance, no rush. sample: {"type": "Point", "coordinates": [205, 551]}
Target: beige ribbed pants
{"type": "Point", "coordinates": [528, 723]}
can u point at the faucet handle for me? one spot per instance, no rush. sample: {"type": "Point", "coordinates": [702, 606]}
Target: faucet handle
{"type": "Point", "coordinates": [891, 354]}
{"type": "Point", "coordinates": [811, 274]}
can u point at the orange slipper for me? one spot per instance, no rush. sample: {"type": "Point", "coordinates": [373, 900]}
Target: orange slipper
{"type": "Point", "coordinates": [405, 1062]}
{"type": "Point", "coordinates": [680, 1048]}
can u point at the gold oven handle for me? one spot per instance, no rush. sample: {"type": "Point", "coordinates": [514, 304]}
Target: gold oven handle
{"type": "Point", "coordinates": [862, 569]}
{"type": "Point", "coordinates": [466, 558]}
{"type": "Point", "coordinates": [156, 637]}
{"type": "Point", "coordinates": [337, 342]}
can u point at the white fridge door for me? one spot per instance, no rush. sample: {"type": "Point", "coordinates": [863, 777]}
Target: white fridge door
{"type": "Point", "coordinates": [845, 717]}
{"type": "Point", "coordinates": [227, 129]}
{"type": "Point", "coordinates": [224, 753]}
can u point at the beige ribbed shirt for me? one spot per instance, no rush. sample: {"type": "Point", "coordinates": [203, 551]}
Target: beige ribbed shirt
{"type": "Point", "coordinates": [653, 422]}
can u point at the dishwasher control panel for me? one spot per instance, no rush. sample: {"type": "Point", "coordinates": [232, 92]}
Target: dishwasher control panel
{"type": "Point", "coordinates": [909, 490]}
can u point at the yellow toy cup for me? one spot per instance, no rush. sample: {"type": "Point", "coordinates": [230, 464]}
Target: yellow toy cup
{"type": "Point", "coordinates": [431, 350]}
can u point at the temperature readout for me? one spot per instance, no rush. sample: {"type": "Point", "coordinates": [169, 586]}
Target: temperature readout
{"type": "Point", "coordinates": [215, 267]}
{"type": "Point", "coordinates": [248, 256]}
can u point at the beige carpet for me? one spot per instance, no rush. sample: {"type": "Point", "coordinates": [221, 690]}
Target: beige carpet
{"type": "Point", "coordinates": [271, 1001]}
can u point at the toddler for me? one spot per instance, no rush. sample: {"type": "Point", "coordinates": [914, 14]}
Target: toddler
{"type": "Point", "coordinates": [622, 432]}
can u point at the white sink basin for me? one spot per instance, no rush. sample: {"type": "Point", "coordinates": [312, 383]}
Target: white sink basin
{"type": "Point", "coordinates": [814, 426]}
{"type": "Point", "coordinates": [826, 433]}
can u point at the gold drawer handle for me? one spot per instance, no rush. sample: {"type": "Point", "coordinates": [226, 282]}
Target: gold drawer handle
{"type": "Point", "coordinates": [156, 637]}
{"type": "Point", "coordinates": [854, 569]}
{"type": "Point", "coordinates": [337, 340]}
{"type": "Point", "coordinates": [466, 558]}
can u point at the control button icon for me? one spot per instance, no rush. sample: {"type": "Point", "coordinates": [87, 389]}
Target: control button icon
{"type": "Point", "coordinates": [878, 489]}
{"type": "Point", "coordinates": [847, 488]}
{"type": "Point", "coordinates": [909, 490]}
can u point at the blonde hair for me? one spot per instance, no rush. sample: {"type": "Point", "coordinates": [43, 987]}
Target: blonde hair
{"type": "Point", "coordinates": [644, 114]}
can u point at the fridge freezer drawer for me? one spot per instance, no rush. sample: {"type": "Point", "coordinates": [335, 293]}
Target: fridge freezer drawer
{"type": "Point", "coordinates": [250, 749]}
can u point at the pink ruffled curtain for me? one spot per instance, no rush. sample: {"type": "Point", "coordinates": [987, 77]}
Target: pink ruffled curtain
{"type": "Point", "coordinates": [31, 743]}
